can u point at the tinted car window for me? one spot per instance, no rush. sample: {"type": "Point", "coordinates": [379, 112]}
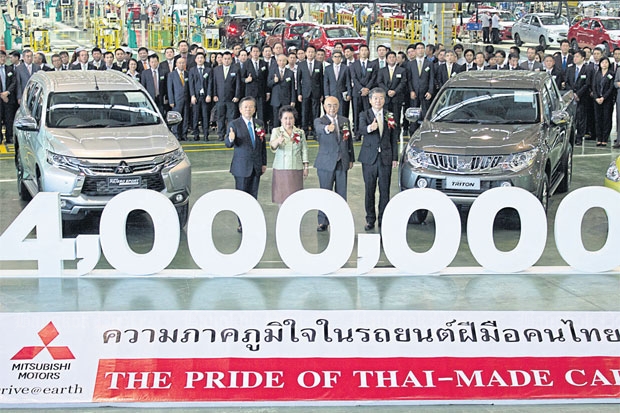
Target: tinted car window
{"type": "Point", "coordinates": [611, 24]}
{"type": "Point", "coordinates": [300, 29]}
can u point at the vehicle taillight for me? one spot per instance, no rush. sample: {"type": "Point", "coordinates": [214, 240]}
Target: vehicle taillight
{"type": "Point", "coordinates": [263, 33]}
{"type": "Point", "coordinates": [232, 30]}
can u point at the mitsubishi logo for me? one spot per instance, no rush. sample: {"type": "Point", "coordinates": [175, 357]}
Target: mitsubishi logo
{"type": "Point", "coordinates": [47, 335]}
{"type": "Point", "coordinates": [123, 168]}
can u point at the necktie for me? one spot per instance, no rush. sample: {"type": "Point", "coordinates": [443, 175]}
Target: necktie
{"type": "Point", "coordinates": [419, 67]}
{"type": "Point", "coordinates": [564, 63]}
{"type": "Point", "coordinates": [256, 67]}
{"type": "Point", "coordinates": [449, 67]}
{"type": "Point", "coordinates": [381, 64]}
{"type": "Point", "coordinates": [251, 130]}
{"type": "Point", "coordinates": [3, 77]}
{"type": "Point", "coordinates": [310, 66]}
{"type": "Point", "coordinates": [380, 122]}
{"type": "Point", "coordinates": [576, 73]}
{"type": "Point", "coordinates": [364, 66]}
{"type": "Point", "coordinates": [391, 73]}
{"type": "Point", "coordinates": [281, 73]}
{"type": "Point", "coordinates": [29, 70]}
{"type": "Point", "coordinates": [530, 65]}
{"type": "Point", "coordinates": [156, 83]}
{"type": "Point", "coordinates": [225, 72]}
{"type": "Point", "coordinates": [145, 65]}
{"type": "Point", "coordinates": [336, 71]}
{"type": "Point", "coordinates": [83, 66]}
{"type": "Point", "coordinates": [182, 78]}
{"type": "Point", "coordinates": [200, 71]}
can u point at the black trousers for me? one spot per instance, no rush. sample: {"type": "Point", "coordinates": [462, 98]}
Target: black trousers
{"type": "Point", "coordinates": [372, 173]}
{"type": "Point", "coordinates": [7, 116]}
{"type": "Point", "coordinates": [248, 184]}
{"type": "Point", "coordinates": [310, 110]}
{"type": "Point", "coordinates": [495, 35]}
{"type": "Point", "coordinates": [201, 114]}
{"type": "Point", "coordinates": [225, 113]}
{"type": "Point", "coordinates": [335, 180]}
{"type": "Point", "coordinates": [360, 103]}
{"type": "Point", "coordinates": [485, 35]}
{"type": "Point", "coordinates": [603, 114]}
{"type": "Point", "coordinates": [180, 129]}
{"type": "Point", "coordinates": [581, 118]}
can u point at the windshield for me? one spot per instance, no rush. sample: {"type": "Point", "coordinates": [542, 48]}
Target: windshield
{"type": "Point", "coordinates": [340, 32]}
{"type": "Point", "coordinates": [611, 24]}
{"type": "Point", "coordinates": [553, 21]}
{"type": "Point", "coordinates": [100, 109]}
{"type": "Point", "coordinates": [301, 29]}
{"type": "Point", "coordinates": [494, 106]}
{"type": "Point", "coordinates": [507, 17]}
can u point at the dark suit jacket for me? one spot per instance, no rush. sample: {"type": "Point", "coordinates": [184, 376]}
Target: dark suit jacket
{"type": "Point", "coordinates": [245, 156]}
{"type": "Point", "coordinates": [78, 66]}
{"type": "Point", "coordinates": [421, 83]}
{"type": "Point", "coordinates": [226, 89]}
{"type": "Point", "coordinates": [362, 79]}
{"type": "Point", "coordinates": [441, 77]}
{"type": "Point", "coordinates": [399, 83]}
{"type": "Point", "coordinates": [115, 66]}
{"type": "Point", "coordinates": [603, 86]}
{"type": "Point", "coordinates": [282, 91]}
{"type": "Point", "coordinates": [147, 81]}
{"type": "Point", "coordinates": [10, 84]}
{"type": "Point", "coordinates": [190, 61]}
{"type": "Point", "coordinates": [258, 86]}
{"type": "Point", "coordinates": [557, 75]}
{"type": "Point", "coordinates": [198, 82]}
{"type": "Point", "coordinates": [372, 141]}
{"type": "Point", "coordinates": [310, 85]}
{"type": "Point", "coordinates": [333, 87]}
{"type": "Point", "coordinates": [558, 62]}
{"type": "Point", "coordinates": [21, 72]}
{"type": "Point", "coordinates": [178, 94]}
{"type": "Point", "coordinates": [507, 67]}
{"type": "Point", "coordinates": [331, 145]}
{"type": "Point", "coordinates": [141, 67]}
{"type": "Point", "coordinates": [581, 86]}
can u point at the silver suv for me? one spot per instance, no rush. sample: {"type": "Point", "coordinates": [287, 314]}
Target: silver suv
{"type": "Point", "coordinates": [488, 129]}
{"type": "Point", "coordinates": [90, 135]}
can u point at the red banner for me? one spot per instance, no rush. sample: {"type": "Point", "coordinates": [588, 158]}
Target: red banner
{"type": "Point", "coordinates": [350, 379]}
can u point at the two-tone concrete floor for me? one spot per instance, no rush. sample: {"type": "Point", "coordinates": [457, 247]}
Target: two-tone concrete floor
{"type": "Point", "coordinates": [586, 292]}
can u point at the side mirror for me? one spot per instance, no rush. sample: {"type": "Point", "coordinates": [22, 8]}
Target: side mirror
{"type": "Point", "coordinates": [560, 117]}
{"type": "Point", "coordinates": [27, 123]}
{"type": "Point", "coordinates": [413, 114]}
{"type": "Point", "coordinates": [172, 118]}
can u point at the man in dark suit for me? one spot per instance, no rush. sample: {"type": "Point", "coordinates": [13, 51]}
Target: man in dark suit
{"type": "Point", "coordinates": [23, 73]}
{"type": "Point", "coordinates": [108, 62]}
{"type": "Point", "coordinates": [447, 70]}
{"type": "Point", "coordinates": [82, 62]}
{"type": "Point", "coordinates": [281, 81]}
{"type": "Point", "coordinates": [8, 100]}
{"type": "Point", "coordinates": [310, 88]}
{"type": "Point", "coordinates": [555, 73]}
{"type": "Point", "coordinates": [185, 54]}
{"type": "Point", "coordinates": [178, 95]}
{"type": "Point", "coordinates": [337, 82]}
{"type": "Point", "coordinates": [421, 77]}
{"type": "Point", "coordinates": [154, 81]}
{"type": "Point", "coordinates": [513, 63]}
{"type": "Point", "coordinates": [225, 92]}
{"type": "Point", "coordinates": [336, 155]}
{"type": "Point", "coordinates": [531, 64]}
{"type": "Point", "coordinates": [255, 80]}
{"type": "Point", "coordinates": [564, 59]}
{"type": "Point", "coordinates": [578, 76]}
{"type": "Point", "coordinates": [364, 78]}
{"type": "Point", "coordinates": [247, 136]}
{"type": "Point", "coordinates": [199, 79]}
{"type": "Point", "coordinates": [393, 80]}
{"type": "Point", "coordinates": [379, 154]}
{"type": "Point", "coordinates": [121, 63]}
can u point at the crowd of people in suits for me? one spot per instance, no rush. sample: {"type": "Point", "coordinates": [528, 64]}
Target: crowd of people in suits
{"type": "Point", "coordinates": [250, 93]}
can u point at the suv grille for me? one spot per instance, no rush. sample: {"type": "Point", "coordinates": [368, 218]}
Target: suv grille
{"type": "Point", "coordinates": [456, 163]}
{"type": "Point", "coordinates": [98, 185]}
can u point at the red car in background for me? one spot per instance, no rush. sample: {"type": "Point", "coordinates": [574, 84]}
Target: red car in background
{"type": "Point", "coordinates": [326, 36]}
{"type": "Point", "coordinates": [595, 31]}
{"type": "Point", "coordinates": [289, 34]}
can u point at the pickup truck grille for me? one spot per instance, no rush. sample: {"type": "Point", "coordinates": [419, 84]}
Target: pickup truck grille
{"type": "Point", "coordinates": [457, 163]}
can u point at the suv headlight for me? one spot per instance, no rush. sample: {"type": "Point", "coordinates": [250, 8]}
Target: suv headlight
{"type": "Point", "coordinates": [172, 159]}
{"type": "Point", "coordinates": [417, 158]}
{"type": "Point", "coordinates": [612, 172]}
{"type": "Point", "coordinates": [519, 161]}
{"type": "Point", "coordinates": [62, 161]}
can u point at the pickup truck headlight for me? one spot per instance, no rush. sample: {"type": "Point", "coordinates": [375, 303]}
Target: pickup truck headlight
{"type": "Point", "coordinates": [519, 161]}
{"type": "Point", "coordinates": [171, 159]}
{"type": "Point", "coordinates": [62, 161]}
{"type": "Point", "coordinates": [417, 158]}
{"type": "Point", "coordinates": [612, 172]}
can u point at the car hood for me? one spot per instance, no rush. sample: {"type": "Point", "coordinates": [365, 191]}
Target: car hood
{"type": "Point", "coordinates": [105, 143]}
{"type": "Point", "coordinates": [459, 139]}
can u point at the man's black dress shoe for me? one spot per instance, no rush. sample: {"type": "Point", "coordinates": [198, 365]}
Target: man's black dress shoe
{"type": "Point", "coordinates": [321, 228]}
{"type": "Point", "coordinates": [369, 227]}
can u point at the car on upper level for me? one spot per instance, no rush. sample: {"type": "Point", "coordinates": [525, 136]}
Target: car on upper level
{"type": "Point", "coordinates": [326, 36]}
{"type": "Point", "coordinates": [612, 177]}
{"type": "Point", "coordinates": [91, 135]}
{"type": "Point", "coordinates": [258, 29]}
{"type": "Point", "coordinates": [544, 29]}
{"type": "Point", "coordinates": [489, 129]}
{"type": "Point", "coordinates": [289, 34]}
{"type": "Point", "coordinates": [595, 31]}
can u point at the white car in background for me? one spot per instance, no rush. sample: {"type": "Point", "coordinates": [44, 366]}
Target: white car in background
{"type": "Point", "coordinates": [545, 29]}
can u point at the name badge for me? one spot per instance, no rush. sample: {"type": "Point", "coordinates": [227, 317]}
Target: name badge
{"type": "Point", "coordinates": [233, 74]}
{"type": "Point", "coordinates": [317, 70]}
{"type": "Point", "coordinates": [398, 76]}
{"type": "Point", "coordinates": [427, 69]}
{"type": "Point", "coordinates": [369, 69]}
{"type": "Point", "coordinates": [288, 79]}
